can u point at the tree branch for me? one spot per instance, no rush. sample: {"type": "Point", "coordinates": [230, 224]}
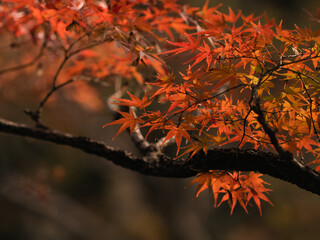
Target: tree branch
{"type": "Point", "coordinates": [259, 161]}
{"type": "Point", "coordinates": [155, 165]}
{"type": "Point", "coordinates": [28, 64]}
{"type": "Point", "coordinates": [160, 165]}
{"type": "Point", "coordinates": [285, 155]}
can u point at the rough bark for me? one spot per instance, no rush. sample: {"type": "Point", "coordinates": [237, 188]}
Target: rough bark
{"type": "Point", "coordinates": [157, 164]}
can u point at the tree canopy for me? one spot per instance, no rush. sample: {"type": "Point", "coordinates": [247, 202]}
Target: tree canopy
{"type": "Point", "coordinates": [241, 100]}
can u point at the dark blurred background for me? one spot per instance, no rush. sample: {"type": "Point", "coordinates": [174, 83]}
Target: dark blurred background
{"type": "Point", "coordinates": [57, 193]}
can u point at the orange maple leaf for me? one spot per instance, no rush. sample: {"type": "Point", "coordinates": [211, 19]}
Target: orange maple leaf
{"type": "Point", "coordinates": [204, 182]}
{"type": "Point", "coordinates": [236, 187]}
{"type": "Point", "coordinates": [317, 161]}
{"type": "Point", "coordinates": [178, 133]}
{"type": "Point", "coordinates": [212, 180]}
{"type": "Point", "coordinates": [135, 101]}
{"type": "Point", "coordinates": [192, 45]}
{"type": "Point", "coordinates": [257, 189]}
{"type": "Point", "coordinates": [128, 120]}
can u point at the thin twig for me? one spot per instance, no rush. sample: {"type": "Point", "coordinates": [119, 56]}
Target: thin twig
{"type": "Point", "coordinates": [271, 133]}
{"type": "Point", "coordinates": [67, 55]}
{"type": "Point", "coordinates": [25, 65]}
{"type": "Point", "coordinates": [310, 107]}
{"type": "Point", "coordinates": [303, 74]}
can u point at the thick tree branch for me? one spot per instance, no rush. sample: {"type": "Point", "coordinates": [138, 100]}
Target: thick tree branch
{"type": "Point", "coordinates": [160, 165]}
{"type": "Point", "coordinates": [263, 162]}
{"type": "Point", "coordinates": [154, 164]}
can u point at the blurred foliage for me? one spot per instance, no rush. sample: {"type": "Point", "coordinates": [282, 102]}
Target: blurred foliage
{"type": "Point", "coordinates": [290, 11]}
{"type": "Point", "coordinates": [55, 192]}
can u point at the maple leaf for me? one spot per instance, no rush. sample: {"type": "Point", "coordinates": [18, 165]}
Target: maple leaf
{"type": "Point", "coordinates": [178, 133]}
{"type": "Point", "coordinates": [232, 18]}
{"type": "Point", "coordinates": [193, 44]}
{"type": "Point", "coordinates": [205, 53]}
{"type": "Point", "coordinates": [317, 161]}
{"type": "Point", "coordinates": [134, 102]}
{"type": "Point", "coordinates": [165, 82]}
{"type": "Point", "coordinates": [129, 120]}
{"type": "Point", "coordinates": [235, 187]}
{"type": "Point", "coordinates": [234, 191]}
{"type": "Point", "coordinates": [234, 196]}
{"type": "Point", "coordinates": [204, 182]}
{"type": "Point", "coordinates": [206, 12]}
{"type": "Point", "coordinates": [197, 146]}
{"type": "Point", "coordinates": [257, 189]}
{"type": "Point", "coordinates": [212, 180]}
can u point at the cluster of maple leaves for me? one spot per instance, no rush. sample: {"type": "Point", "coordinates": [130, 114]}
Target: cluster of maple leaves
{"type": "Point", "coordinates": [231, 61]}
{"type": "Point", "coordinates": [234, 187]}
